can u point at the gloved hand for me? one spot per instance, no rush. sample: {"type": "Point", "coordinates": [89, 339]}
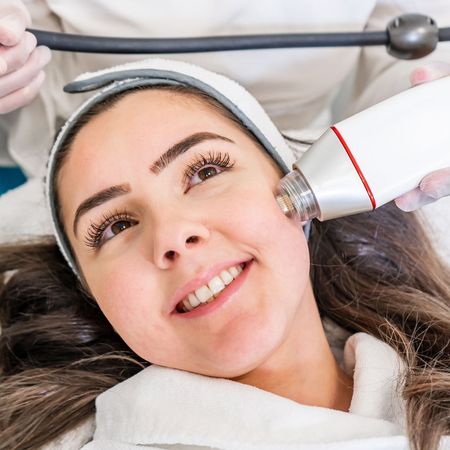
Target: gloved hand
{"type": "Point", "coordinates": [436, 184]}
{"type": "Point", "coordinates": [21, 62]}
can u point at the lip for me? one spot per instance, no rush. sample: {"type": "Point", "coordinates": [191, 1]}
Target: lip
{"type": "Point", "coordinates": [222, 298]}
{"type": "Point", "coordinates": [197, 282]}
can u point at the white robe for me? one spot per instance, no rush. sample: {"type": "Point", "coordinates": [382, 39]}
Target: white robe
{"type": "Point", "coordinates": [162, 408]}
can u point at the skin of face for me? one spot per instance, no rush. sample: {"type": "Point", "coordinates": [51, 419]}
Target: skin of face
{"type": "Point", "coordinates": [270, 335]}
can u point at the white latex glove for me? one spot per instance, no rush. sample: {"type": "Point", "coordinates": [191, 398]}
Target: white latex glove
{"type": "Point", "coordinates": [21, 62]}
{"type": "Point", "coordinates": [436, 184]}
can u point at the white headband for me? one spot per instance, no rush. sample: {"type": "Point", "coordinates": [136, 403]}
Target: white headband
{"type": "Point", "coordinates": [156, 71]}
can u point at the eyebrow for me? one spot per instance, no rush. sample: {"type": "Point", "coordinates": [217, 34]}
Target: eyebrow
{"type": "Point", "coordinates": [98, 199]}
{"type": "Point", "coordinates": [157, 167]}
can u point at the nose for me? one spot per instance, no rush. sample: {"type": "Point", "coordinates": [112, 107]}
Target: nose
{"type": "Point", "coordinates": [175, 236]}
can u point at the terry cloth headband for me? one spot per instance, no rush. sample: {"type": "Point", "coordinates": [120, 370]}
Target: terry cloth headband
{"type": "Point", "coordinates": [157, 71]}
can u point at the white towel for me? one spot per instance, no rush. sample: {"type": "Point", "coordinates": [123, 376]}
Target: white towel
{"type": "Point", "coordinates": [24, 212]}
{"type": "Point", "coordinates": [163, 408]}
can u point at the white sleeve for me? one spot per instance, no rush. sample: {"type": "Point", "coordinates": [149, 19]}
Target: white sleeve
{"type": "Point", "coordinates": [379, 75]}
{"type": "Point", "coordinates": [6, 122]}
{"type": "Point", "coordinates": [25, 134]}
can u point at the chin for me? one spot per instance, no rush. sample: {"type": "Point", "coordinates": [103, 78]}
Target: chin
{"type": "Point", "coordinates": [247, 353]}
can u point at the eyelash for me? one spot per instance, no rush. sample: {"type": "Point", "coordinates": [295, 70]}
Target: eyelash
{"type": "Point", "coordinates": [95, 232]}
{"type": "Point", "coordinates": [216, 159]}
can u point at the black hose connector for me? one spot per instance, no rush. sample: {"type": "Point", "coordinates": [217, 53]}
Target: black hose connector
{"type": "Point", "coordinates": [412, 36]}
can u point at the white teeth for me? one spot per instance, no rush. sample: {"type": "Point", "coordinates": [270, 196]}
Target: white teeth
{"type": "Point", "coordinates": [186, 305]}
{"type": "Point", "coordinates": [217, 284]}
{"type": "Point", "coordinates": [226, 277]}
{"type": "Point", "coordinates": [193, 300]}
{"type": "Point", "coordinates": [203, 294]}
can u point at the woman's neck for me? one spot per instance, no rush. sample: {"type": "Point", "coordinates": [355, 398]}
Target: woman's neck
{"type": "Point", "coordinates": [303, 368]}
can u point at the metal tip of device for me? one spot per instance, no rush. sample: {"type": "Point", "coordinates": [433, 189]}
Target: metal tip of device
{"type": "Point", "coordinates": [285, 203]}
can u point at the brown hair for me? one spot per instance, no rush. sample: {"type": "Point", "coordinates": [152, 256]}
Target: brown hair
{"type": "Point", "coordinates": [374, 272]}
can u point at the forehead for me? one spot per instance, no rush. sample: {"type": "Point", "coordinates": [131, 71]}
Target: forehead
{"type": "Point", "coordinates": [142, 124]}
{"type": "Point", "coordinates": [157, 114]}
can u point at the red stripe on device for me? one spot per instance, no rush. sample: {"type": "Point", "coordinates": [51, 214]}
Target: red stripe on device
{"type": "Point", "coordinates": [355, 164]}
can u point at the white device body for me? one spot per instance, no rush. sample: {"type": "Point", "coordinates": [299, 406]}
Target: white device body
{"type": "Point", "coordinates": [381, 153]}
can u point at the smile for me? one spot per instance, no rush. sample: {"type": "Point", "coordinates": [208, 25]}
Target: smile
{"type": "Point", "coordinates": [210, 291]}
{"type": "Point", "coordinates": [235, 277]}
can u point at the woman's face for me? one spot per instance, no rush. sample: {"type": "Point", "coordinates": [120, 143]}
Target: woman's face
{"type": "Point", "coordinates": [182, 224]}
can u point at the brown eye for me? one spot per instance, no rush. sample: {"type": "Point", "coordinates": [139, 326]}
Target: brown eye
{"type": "Point", "coordinates": [112, 225]}
{"type": "Point", "coordinates": [207, 172]}
{"type": "Point", "coordinates": [203, 168]}
{"type": "Point", "coordinates": [119, 226]}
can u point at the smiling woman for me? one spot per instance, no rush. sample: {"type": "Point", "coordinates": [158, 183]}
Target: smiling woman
{"type": "Point", "coordinates": [172, 256]}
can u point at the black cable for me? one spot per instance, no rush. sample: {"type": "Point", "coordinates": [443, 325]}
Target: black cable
{"type": "Point", "coordinates": [444, 34]}
{"type": "Point", "coordinates": [95, 44]}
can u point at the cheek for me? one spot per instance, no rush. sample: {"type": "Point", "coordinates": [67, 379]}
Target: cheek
{"type": "Point", "coordinates": [252, 216]}
{"type": "Point", "coordinates": [252, 212]}
{"type": "Point", "coordinates": [285, 250]}
{"type": "Point", "coordinates": [132, 305]}
{"type": "Point", "coordinates": [121, 296]}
